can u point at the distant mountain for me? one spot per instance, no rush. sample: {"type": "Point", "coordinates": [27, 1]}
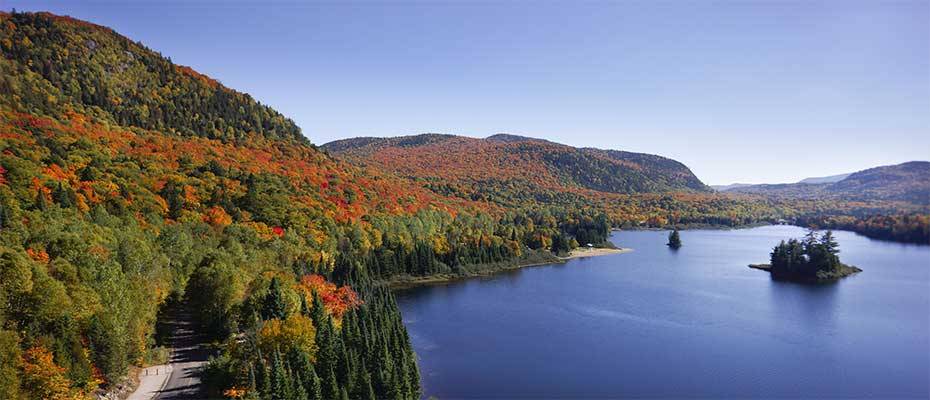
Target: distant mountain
{"type": "Point", "coordinates": [511, 163]}
{"type": "Point", "coordinates": [908, 182]}
{"type": "Point", "coordinates": [724, 188]}
{"type": "Point", "coordinates": [808, 181]}
{"type": "Point", "coordinates": [825, 179]}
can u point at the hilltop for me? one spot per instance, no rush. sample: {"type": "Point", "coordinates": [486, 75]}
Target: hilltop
{"type": "Point", "coordinates": [58, 63]}
{"type": "Point", "coordinates": [824, 179]}
{"type": "Point", "coordinates": [485, 167]}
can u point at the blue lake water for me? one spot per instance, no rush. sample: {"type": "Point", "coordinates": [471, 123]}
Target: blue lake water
{"type": "Point", "coordinates": [689, 323]}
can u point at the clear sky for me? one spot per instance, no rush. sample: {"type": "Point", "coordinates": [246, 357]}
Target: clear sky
{"type": "Point", "coordinates": [740, 91]}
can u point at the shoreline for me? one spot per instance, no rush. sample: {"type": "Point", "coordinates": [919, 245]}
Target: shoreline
{"type": "Point", "coordinates": [401, 283]}
{"type": "Point", "coordinates": [698, 227]}
{"type": "Point", "coordinates": [594, 252]}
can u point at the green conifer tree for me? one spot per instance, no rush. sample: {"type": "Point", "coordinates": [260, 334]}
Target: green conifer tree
{"type": "Point", "coordinates": [315, 388]}
{"type": "Point", "coordinates": [674, 239]}
{"type": "Point", "coordinates": [280, 382]}
{"type": "Point", "coordinates": [274, 304]}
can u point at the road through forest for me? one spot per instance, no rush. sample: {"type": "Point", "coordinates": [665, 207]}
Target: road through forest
{"type": "Point", "coordinates": [189, 355]}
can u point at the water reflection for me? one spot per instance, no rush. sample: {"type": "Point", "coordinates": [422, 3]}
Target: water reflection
{"type": "Point", "coordinates": [810, 306]}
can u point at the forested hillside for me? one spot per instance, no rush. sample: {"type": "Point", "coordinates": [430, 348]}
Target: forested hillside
{"type": "Point", "coordinates": [634, 189]}
{"type": "Point", "coordinates": [484, 168]}
{"type": "Point", "coordinates": [907, 182]}
{"type": "Point", "coordinates": [92, 70]}
{"type": "Point", "coordinates": [128, 183]}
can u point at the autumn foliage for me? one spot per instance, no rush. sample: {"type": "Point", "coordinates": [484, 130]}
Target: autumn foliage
{"type": "Point", "coordinates": [337, 300]}
{"type": "Point", "coordinates": [128, 183]}
{"type": "Point", "coordinates": [44, 379]}
{"type": "Point", "coordinates": [296, 332]}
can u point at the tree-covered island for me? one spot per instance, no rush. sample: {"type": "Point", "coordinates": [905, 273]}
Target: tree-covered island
{"type": "Point", "coordinates": [811, 259]}
{"type": "Point", "coordinates": [674, 240]}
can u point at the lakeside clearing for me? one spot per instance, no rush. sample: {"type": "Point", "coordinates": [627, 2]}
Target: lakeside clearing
{"type": "Point", "coordinates": [594, 252]}
{"type": "Point", "coordinates": [405, 282]}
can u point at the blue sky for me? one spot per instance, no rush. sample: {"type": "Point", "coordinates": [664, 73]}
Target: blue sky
{"type": "Point", "coordinates": [740, 91]}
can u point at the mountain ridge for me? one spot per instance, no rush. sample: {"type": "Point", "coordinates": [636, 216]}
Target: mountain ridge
{"type": "Point", "coordinates": [519, 158]}
{"type": "Point", "coordinates": [724, 188]}
{"type": "Point", "coordinates": [825, 179]}
{"type": "Point", "coordinates": [908, 181]}
{"type": "Point", "coordinates": [810, 180]}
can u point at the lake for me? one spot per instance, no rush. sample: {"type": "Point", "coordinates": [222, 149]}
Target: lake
{"type": "Point", "coordinates": [696, 322]}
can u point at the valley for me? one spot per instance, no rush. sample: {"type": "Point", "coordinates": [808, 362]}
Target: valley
{"type": "Point", "coordinates": [132, 187]}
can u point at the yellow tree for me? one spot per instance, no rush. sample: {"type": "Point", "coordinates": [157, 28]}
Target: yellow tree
{"type": "Point", "coordinates": [43, 379]}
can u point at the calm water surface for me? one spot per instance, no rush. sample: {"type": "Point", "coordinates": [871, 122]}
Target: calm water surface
{"type": "Point", "coordinates": [691, 323]}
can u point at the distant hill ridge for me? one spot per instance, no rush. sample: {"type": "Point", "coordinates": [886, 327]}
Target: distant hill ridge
{"type": "Point", "coordinates": [724, 188]}
{"type": "Point", "coordinates": [825, 179]}
{"type": "Point", "coordinates": [909, 181]}
{"type": "Point", "coordinates": [519, 161]}
{"type": "Point", "coordinates": [811, 181]}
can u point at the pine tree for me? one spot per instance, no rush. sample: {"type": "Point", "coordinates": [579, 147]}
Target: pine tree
{"type": "Point", "coordinates": [831, 249]}
{"type": "Point", "coordinates": [304, 308]}
{"type": "Point", "coordinates": [274, 305]}
{"type": "Point", "coordinates": [280, 388]}
{"type": "Point", "coordinates": [674, 239]}
{"type": "Point", "coordinates": [41, 202]}
{"type": "Point", "coordinates": [367, 392]}
{"type": "Point", "coordinates": [330, 386]}
{"type": "Point", "coordinates": [315, 387]}
{"type": "Point", "coordinates": [300, 393]}
{"type": "Point", "coordinates": [64, 196]}
{"type": "Point", "coordinates": [318, 314]}
{"type": "Point", "coordinates": [263, 379]}
{"type": "Point", "coordinates": [253, 384]}
{"type": "Point", "coordinates": [174, 196]}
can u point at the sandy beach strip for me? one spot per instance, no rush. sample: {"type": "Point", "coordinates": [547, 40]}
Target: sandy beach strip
{"type": "Point", "coordinates": [593, 252]}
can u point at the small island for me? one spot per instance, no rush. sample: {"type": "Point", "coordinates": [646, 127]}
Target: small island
{"type": "Point", "coordinates": [811, 260]}
{"type": "Point", "coordinates": [674, 240]}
